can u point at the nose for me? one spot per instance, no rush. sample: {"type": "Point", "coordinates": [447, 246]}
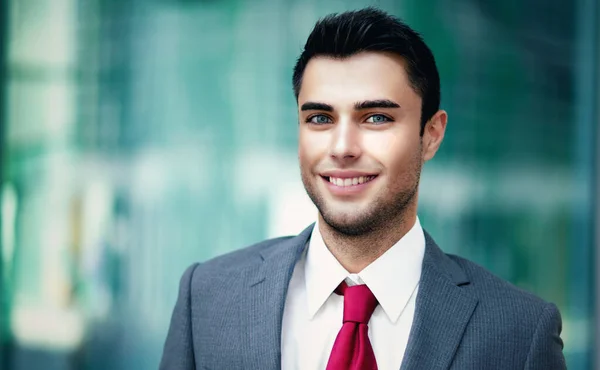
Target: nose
{"type": "Point", "coordinates": [345, 143]}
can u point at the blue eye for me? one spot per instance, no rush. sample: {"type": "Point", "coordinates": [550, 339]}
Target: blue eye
{"type": "Point", "coordinates": [378, 118]}
{"type": "Point", "coordinates": [319, 119]}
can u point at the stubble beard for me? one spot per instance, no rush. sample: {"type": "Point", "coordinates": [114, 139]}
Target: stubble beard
{"type": "Point", "coordinates": [380, 214]}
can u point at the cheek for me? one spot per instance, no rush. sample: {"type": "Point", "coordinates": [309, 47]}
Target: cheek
{"type": "Point", "coordinates": [311, 147]}
{"type": "Point", "coordinates": [397, 153]}
{"type": "Point", "coordinates": [387, 147]}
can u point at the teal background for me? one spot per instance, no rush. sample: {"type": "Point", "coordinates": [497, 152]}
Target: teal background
{"type": "Point", "coordinates": [140, 136]}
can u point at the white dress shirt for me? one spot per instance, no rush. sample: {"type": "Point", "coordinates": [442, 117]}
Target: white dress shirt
{"type": "Point", "coordinates": [313, 313]}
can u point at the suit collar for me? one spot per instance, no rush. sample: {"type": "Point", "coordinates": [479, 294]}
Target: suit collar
{"type": "Point", "coordinates": [443, 264]}
{"type": "Point", "coordinates": [443, 309]}
{"type": "Point", "coordinates": [280, 258]}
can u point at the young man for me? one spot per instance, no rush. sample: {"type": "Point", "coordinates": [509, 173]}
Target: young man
{"type": "Point", "coordinates": [365, 287]}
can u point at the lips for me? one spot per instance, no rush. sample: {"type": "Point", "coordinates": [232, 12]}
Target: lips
{"type": "Point", "coordinates": [348, 184]}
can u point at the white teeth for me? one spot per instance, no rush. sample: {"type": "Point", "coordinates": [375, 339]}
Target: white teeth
{"type": "Point", "coordinates": [350, 181]}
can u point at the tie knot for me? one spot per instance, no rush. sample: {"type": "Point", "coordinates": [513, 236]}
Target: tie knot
{"type": "Point", "coordinates": [359, 302]}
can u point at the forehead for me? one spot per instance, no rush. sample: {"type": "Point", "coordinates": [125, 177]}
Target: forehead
{"type": "Point", "coordinates": [364, 76]}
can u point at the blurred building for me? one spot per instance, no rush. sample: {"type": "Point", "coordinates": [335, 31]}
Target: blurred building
{"type": "Point", "coordinates": [140, 136]}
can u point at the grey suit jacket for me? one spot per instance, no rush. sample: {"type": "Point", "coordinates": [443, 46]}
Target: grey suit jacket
{"type": "Point", "coordinates": [229, 314]}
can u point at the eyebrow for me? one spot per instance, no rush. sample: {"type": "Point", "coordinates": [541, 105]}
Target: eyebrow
{"type": "Point", "coordinates": [381, 103]}
{"type": "Point", "coordinates": [367, 104]}
{"type": "Point", "coordinates": [316, 106]}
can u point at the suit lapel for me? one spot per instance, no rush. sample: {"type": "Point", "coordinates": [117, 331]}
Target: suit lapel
{"type": "Point", "coordinates": [443, 310]}
{"type": "Point", "coordinates": [263, 302]}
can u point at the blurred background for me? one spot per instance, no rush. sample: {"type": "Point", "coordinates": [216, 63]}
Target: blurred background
{"type": "Point", "coordinates": [140, 136]}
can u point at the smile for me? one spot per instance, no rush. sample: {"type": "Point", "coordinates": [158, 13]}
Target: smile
{"type": "Point", "coordinates": [344, 182]}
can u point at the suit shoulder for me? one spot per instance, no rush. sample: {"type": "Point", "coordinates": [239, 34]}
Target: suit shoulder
{"type": "Point", "coordinates": [508, 322]}
{"type": "Point", "coordinates": [499, 293]}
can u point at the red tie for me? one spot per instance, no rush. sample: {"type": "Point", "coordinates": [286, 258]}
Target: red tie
{"type": "Point", "coordinates": [352, 348]}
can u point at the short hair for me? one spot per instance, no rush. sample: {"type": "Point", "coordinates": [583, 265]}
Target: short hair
{"type": "Point", "coordinates": [370, 29]}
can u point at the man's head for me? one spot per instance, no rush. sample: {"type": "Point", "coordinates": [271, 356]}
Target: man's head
{"type": "Point", "coordinates": [368, 97]}
{"type": "Point", "coordinates": [371, 30]}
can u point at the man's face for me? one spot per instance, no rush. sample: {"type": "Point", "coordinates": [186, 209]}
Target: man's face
{"type": "Point", "coordinates": [360, 150]}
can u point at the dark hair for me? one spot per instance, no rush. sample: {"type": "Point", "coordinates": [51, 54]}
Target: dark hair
{"type": "Point", "coordinates": [370, 29]}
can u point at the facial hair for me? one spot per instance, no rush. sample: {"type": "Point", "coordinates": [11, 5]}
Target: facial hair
{"type": "Point", "coordinates": [381, 212]}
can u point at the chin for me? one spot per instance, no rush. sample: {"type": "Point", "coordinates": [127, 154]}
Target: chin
{"type": "Point", "coordinates": [349, 224]}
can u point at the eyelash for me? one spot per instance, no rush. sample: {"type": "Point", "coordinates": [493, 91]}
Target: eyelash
{"type": "Point", "coordinates": [310, 118]}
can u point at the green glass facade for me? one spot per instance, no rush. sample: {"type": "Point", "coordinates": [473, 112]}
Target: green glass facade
{"type": "Point", "coordinates": [140, 136]}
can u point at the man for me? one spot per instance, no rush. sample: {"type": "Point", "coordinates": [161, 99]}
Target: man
{"type": "Point", "coordinates": [365, 287]}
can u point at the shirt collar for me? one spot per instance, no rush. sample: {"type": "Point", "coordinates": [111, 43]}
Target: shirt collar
{"type": "Point", "coordinates": [392, 278]}
{"type": "Point", "coordinates": [322, 272]}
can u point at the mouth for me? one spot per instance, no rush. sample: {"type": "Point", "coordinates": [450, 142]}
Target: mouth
{"type": "Point", "coordinates": [349, 181]}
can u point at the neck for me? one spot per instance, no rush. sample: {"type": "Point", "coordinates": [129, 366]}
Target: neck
{"type": "Point", "coordinates": [355, 252]}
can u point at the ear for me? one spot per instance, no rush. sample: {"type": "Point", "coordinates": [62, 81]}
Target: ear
{"type": "Point", "coordinates": [434, 134]}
